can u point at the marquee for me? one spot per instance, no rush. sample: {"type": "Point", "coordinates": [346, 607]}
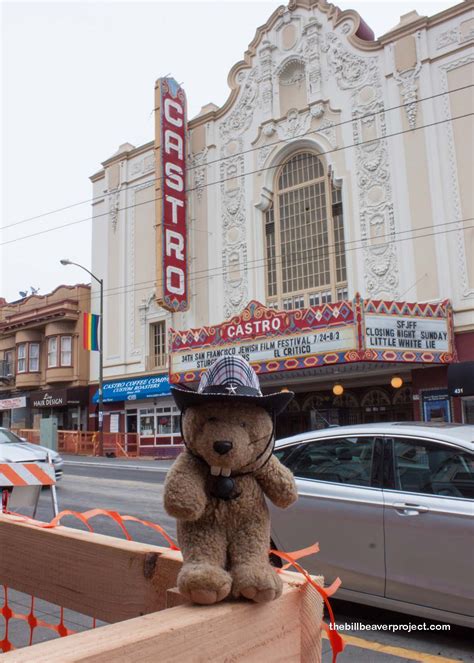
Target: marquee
{"type": "Point", "coordinates": [338, 333]}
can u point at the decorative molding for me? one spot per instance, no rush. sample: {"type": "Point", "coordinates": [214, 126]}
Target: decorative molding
{"type": "Point", "coordinates": [263, 154]}
{"type": "Point", "coordinates": [142, 166]}
{"type": "Point", "coordinates": [296, 124]}
{"type": "Point", "coordinates": [455, 36]}
{"type": "Point", "coordinates": [145, 185]}
{"type": "Point", "coordinates": [149, 163]}
{"type": "Point", "coordinates": [407, 81]}
{"type": "Point", "coordinates": [266, 78]}
{"type": "Point", "coordinates": [328, 130]}
{"type": "Point", "coordinates": [447, 38]}
{"type": "Point", "coordinates": [350, 70]}
{"type": "Point", "coordinates": [312, 49]}
{"type": "Point", "coordinates": [114, 207]}
{"type": "Point", "coordinates": [452, 169]}
{"type": "Point", "coordinates": [266, 199]}
{"type": "Point", "coordinates": [292, 71]}
{"type": "Point", "coordinates": [130, 265]}
{"type": "Point", "coordinates": [198, 168]}
{"type": "Point", "coordinates": [232, 188]}
{"type": "Point", "coordinates": [377, 219]}
{"type": "Point", "coordinates": [240, 118]}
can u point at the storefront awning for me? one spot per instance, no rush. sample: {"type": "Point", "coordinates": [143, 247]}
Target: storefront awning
{"type": "Point", "coordinates": [135, 389]}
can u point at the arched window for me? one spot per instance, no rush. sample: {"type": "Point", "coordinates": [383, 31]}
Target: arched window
{"type": "Point", "coordinates": [304, 235]}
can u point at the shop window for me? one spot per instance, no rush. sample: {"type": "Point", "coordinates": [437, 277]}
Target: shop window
{"type": "Point", "coordinates": [21, 355]}
{"type": "Point", "coordinates": [147, 423]}
{"type": "Point", "coordinates": [304, 237]}
{"type": "Point", "coordinates": [52, 352]}
{"type": "Point", "coordinates": [33, 357]}
{"type": "Point", "coordinates": [66, 350]}
{"type": "Point", "coordinates": [161, 423]}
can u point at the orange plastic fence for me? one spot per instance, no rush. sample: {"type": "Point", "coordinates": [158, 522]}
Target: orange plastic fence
{"type": "Point", "coordinates": [336, 641]}
{"type": "Point", "coordinates": [84, 443]}
{"type": "Point", "coordinates": [32, 620]}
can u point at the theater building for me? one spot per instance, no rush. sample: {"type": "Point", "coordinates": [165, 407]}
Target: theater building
{"type": "Point", "coordinates": [333, 187]}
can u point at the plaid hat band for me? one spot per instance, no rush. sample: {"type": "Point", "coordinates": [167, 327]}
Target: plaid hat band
{"type": "Point", "coordinates": [230, 371]}
{"type": "Point", "coordinates": [230, 379]}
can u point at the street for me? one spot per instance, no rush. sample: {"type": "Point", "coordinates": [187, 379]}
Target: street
{"type": "Point", "coordinates": [135, 488]}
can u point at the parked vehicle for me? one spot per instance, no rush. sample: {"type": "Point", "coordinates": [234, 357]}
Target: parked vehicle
{"type": "Point", "coordinates": [14, 449]}
{"type": "Point", "coordinates": [391, 506]}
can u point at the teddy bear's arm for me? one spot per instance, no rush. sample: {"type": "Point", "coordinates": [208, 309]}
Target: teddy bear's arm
{"type": "Point", "coordinates": [184, 492]}
{"type": "Point", "coordinates": [278, 483]}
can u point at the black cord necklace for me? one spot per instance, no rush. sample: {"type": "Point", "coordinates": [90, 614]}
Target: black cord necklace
{"type": "Point", "coordinates": [223, 488]}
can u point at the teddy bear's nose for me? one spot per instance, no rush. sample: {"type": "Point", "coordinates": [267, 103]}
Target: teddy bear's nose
{"type": "Point", "coordinates": [222, 447]}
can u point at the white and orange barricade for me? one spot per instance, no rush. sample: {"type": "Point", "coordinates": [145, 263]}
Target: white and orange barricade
{"type": "Point", "coordinates": [21, 484]}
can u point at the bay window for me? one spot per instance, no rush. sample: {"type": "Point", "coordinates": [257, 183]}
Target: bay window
{"type": "Point", "coordinates": [52, 352]}
{"type": "Point", "coordinates": [33, 357]}
{"type": "Point", "coordinates": [21, 358]}
{"type": "Point", "coordinates": [66, 350]}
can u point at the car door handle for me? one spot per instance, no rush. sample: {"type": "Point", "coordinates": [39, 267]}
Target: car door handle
{"type": "Point", "coordinates": [410, 509]}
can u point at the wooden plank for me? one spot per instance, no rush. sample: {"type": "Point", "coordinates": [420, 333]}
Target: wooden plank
{"type": "Point", "coordinates": [174, 598]}
{"type": "Point", "coordinates": [238, 631]}
{"type": "Point", "coordinates": [100, 576]}
{"type": "Point", "coordinates": [312, 607]}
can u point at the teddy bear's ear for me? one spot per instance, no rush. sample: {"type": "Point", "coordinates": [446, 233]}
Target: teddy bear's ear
{"type": "Point", "coordinates": [189, 422]}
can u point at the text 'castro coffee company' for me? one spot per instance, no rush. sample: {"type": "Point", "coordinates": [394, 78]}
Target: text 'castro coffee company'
{"type": "Point", "coordinates": [170, 148]}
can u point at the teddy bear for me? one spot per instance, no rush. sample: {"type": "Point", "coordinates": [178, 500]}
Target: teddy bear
{"type": "Point", "coordinates": [216, 488]}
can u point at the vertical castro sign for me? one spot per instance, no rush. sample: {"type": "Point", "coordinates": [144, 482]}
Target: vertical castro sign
{"type": "Point", "coordinates": [170, 150]}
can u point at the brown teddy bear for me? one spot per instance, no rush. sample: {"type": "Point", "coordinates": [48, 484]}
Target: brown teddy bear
{"type": "Point", "coordinates": [216, 487]}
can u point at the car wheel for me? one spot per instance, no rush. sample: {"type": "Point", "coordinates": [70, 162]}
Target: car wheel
{"type": "Point", "coordinates": [275, 561]}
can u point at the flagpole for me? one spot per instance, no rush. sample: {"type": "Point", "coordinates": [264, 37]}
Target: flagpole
{"type": "Point", "coordinates": [101, 370]}
{"type": "Point", "coordinates": [66, 261]}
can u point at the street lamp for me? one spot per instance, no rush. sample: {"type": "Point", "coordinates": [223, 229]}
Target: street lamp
{"type": "Point", "coordinates": [65, 262]}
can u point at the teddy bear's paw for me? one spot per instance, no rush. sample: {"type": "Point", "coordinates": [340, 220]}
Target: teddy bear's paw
{"type": "Point", "coordinates": [260, 584]}
{"type": "Point", "coordinates": [204, 583]}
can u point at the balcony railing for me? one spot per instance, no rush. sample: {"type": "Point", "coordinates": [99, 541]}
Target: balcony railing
{"type": "Point", "coordinates": [156, 362]}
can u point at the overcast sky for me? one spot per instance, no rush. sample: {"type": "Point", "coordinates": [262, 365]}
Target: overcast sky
{"type": "Point", "coordinates": [77, 80]}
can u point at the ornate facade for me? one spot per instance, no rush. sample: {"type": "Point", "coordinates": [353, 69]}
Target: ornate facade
{"type": "Point", "coordinates": [388, 118]}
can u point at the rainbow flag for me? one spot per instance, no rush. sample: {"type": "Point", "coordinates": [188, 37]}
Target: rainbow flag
{"type": "Point", "coordinates": [90, 331]}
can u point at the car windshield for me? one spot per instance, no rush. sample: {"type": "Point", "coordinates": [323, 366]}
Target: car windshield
{"type": "Point", "coordinates": [7, 436]}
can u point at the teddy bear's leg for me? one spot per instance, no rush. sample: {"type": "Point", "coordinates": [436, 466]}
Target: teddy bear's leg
{"type": "Point", "coordinates": [252, 574]}
{"type": "Point", "coordinates": [203, 578]}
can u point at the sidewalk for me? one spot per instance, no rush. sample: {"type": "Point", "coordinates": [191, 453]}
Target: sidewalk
{"type": "Point", "coordinates": [122, 461]}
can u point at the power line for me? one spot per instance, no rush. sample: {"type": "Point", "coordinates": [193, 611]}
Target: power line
{"type": "Point", "coordinates": [253, 172]}
{"type": "Point", "coordinates": [252, 149]}
{"type": "Point", "coordinates": [263, 260]}
{"type": "Point", "coordinates": [206, 273]}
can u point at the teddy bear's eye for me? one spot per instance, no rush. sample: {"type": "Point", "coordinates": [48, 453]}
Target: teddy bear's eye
{"type": "Point", "coordinates": [243, 424]}
{"type": "Point", "coordinates": [212, 420]}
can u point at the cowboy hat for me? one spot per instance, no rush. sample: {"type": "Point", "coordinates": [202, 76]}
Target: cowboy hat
{"type": "Point", "coordinates": [230, 379]}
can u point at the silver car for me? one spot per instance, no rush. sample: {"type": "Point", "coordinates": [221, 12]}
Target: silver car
{"type": "Point", "coordinates": [14, 449]}
{"type": "Point", "coordinates": [391, 506]}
